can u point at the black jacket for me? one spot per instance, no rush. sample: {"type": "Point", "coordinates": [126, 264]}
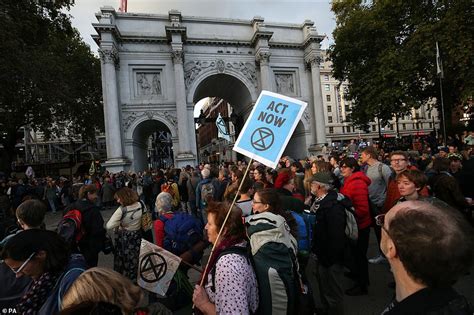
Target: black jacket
{"type": "Point", "coordinates": [329, 238]}
{"type": "Point", "coordinates": [431, 301]}
{"type": "Point", "coordinates": [93, 240]}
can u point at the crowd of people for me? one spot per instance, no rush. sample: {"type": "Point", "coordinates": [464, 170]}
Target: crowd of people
{"type": "Point", "coordinates": [418, 202]}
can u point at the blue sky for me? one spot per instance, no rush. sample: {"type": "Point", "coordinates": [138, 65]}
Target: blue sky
{"type": "Point", "coordinates": [286, 11]}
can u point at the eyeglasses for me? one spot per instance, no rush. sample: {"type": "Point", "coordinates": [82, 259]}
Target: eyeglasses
{"type": "Point", "coordinates": [19, 269]}
{"type": "Point", "coordinates": [253, 201]}
{"type": "Point", "coordinates": [344, 166]}
{"type": "Point", "coordinates": [380, 221]}
{"type": "Point", "coordinates": [397, 160]}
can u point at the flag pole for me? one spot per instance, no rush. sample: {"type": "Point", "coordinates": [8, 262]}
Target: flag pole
{"type": "Point", "coordinates": [439, 72]}
{"type": "Point", "coordinates": [442, 110]}
{"type": "Point", "coordinates": [225, 221]}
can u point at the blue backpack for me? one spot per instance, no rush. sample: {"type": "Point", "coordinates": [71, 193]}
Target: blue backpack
{"type": "Point", "coordinates": [304, 240]}
{"type": "Point", "coordinates": [182, 232]}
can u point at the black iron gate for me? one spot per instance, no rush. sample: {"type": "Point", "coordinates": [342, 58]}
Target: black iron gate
{"type": "Point", "coordinates": [160, 150]}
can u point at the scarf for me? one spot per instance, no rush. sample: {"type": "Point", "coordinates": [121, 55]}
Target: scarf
{"type": "Point", "coordinates": [38, 293]}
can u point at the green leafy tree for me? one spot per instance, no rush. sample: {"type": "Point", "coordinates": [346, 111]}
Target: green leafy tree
{"type": "Point", "coordinates": [49, 79]}
{"type": "Point", "coordinates": [386, 50]}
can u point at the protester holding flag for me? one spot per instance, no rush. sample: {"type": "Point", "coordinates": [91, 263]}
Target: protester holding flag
{"type": "Point", "coordinates": [230, 282]}
{"type": "Point", "coordinates": [127, 222]}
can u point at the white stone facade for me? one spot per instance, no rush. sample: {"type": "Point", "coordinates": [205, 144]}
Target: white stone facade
{"type": "Point", "coordinates": [155, 68]}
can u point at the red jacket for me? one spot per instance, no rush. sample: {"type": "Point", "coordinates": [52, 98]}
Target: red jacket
{"type": "Point", "coordinates": [356, 188]}
{"type": "Point", "coordinates": [393, 194]}
{"type": "Point", "coordinates": [159, 229]}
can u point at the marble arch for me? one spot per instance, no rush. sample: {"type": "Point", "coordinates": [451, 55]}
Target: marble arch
{"type": "Point", "coordinates": [156, 67]}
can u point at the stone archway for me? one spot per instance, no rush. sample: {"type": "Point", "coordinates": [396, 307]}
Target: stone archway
{"type": "Point", "coordinates": [227, 87]}
{"type": "Point", "coordinates": [165, 64]}
{"type": "Point", "coordinates": [151, 145]}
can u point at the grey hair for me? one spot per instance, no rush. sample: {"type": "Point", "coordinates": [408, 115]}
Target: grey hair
{"type": "Point", "coordinates": [163, 202]}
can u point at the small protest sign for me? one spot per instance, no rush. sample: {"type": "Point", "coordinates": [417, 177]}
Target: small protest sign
{"type": "Point", "coordinates": [269, 127]}
{"type": "Point", "coordinates": [156, 268]}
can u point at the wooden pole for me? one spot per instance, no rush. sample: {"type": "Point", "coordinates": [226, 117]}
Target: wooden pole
{"type": "Point", "coordinates": [225, 221]}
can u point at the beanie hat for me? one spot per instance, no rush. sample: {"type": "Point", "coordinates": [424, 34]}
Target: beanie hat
{"type": "Point", "coordinates": [323, 178]}
{"type": "Point", "coordinates": [282, 179]}
{"type": "Point", "coordinates": [205, 173]}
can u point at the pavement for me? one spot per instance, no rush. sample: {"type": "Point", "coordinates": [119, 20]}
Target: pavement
{"type": "Point", "coordinates": [373, 303]}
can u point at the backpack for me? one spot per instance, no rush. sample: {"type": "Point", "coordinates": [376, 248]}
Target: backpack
{"type": "Point", "coordinates": [352, 231]}
{"type": "Point", "coordinates": [207, 193]}
{"type": "Point", "coordinates": [146, 222]}
{"type": "Point", "coordinates": [70, 227]}
{"type": "Point", "coordinates": [182, 232]}
{"type": "Point", "coordinates": [304, 242]}
{"type": "Point", "coordinates": [167, 188]}
{"type": "Point", "coordinates": [273, 251]}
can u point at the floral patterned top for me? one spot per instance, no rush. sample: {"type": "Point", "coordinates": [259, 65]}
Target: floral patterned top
{"type": "Point", "coordinates": [236, 290]}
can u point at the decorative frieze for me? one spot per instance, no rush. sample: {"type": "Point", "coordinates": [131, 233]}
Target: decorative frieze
{"type": "Point", "coordinates": [192, 69]}
{"type": "Point", "coordinates": [285, 83]}
{"type": "Point", "coordinates": [148, 84]}
{"type": "Point", "coordinates": [130, 117]}
{"type": "Point", "coordinates": [246, 68]}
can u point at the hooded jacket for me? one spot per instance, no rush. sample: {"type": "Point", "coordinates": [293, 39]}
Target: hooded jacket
{"type": "Point", "coordinates": [356, 188]}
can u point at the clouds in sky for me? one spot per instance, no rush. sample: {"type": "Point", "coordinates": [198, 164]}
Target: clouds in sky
{"type": "Point", "coordinates": [282, 11]}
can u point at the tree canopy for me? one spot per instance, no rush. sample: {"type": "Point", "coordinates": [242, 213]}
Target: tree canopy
{"type": "Point", "coordinates": [49, 79]}
{"type": "Point", "coordinates": [386, 50]}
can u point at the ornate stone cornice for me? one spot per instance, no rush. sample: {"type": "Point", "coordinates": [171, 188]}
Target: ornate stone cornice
{"type": "Point", "coordinates": [177, 56]}
{"type": "Point", "coordinates": [130, 117]}
{"type": "Point", "coordinates": [109, 56]}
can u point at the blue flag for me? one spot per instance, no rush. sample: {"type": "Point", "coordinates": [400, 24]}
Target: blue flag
{"type": "Point", "coordinates": [222, 128]}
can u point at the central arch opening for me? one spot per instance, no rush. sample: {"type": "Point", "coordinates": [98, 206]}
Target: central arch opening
{"type": "Point", "coordinates": [152, 146]}
{"type": "Point", "coordinates": [228, 96]}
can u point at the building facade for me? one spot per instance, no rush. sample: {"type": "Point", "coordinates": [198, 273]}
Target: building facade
{"type": "Point", "coordinates": [337, 108]}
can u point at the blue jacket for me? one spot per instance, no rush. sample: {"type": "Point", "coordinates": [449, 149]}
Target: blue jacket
{"type": "Point", "coordinates": [75, 267]}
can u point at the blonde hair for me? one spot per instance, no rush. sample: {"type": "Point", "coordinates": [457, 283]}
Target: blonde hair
{"type": "Point", "coordinates": [103, 285]}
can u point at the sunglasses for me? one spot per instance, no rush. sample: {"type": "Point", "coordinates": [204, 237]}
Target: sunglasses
{"type": "Point", "coordinates": [19, 269]}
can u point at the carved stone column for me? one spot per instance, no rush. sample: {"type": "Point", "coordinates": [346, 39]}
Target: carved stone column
{"type": "Point", "coordinates": [263, 58]}
{"type": "Point", "coordinates": [113, 135]}
{"type": "Point", "coordinates": [184, 147]}
{"type": "Point", "coordinates": [319, 132]}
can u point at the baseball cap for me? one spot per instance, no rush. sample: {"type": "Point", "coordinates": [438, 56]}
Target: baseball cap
{"type": "Point", "coordinates": [323, 178]}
